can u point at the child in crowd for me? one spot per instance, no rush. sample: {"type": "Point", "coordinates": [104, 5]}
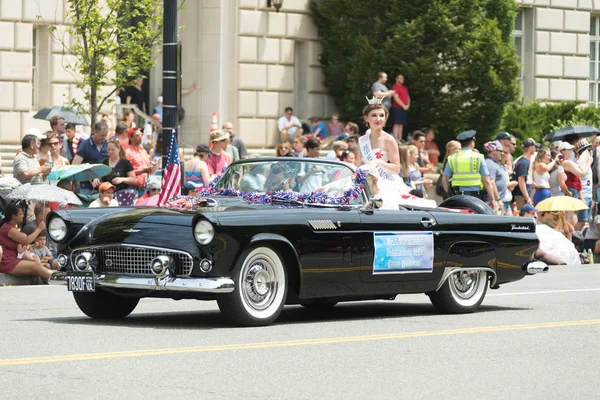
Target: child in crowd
{"type": "Point", "coordinates": [24, 252]}
{"type": "Point", "coordinates": [318, 128]}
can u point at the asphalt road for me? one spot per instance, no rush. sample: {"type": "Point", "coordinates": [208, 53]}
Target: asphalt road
{"type": "Point", "coordinates": [535, 339]}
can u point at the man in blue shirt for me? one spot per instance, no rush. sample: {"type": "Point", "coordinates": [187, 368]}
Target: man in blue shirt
{"type": "Point", "coordinates": [92, 151]}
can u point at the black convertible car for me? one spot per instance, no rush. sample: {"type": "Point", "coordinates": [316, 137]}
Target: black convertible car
{"type": "Point", "coordinates": [281, 231]}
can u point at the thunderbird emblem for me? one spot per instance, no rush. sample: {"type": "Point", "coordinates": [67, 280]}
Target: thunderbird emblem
{"type": "Point", "coordinates": [131, 230]}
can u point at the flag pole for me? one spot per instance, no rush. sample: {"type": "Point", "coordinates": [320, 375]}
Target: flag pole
{"type": "Point", "coordinates": [170, 68]}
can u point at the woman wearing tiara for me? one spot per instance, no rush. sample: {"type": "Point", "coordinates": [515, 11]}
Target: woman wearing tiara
{"type": "Point", "coordinates": [379, 156]}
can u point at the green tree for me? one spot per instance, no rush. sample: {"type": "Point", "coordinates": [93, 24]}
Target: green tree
{"type": "Point", "coordinates": [112, 42]}
{"type": "Point", "coordinates": [457, 56]}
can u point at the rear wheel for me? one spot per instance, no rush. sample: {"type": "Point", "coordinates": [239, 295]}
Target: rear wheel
{"type": "Point", "coordinates": [463, 292]}
{"type": "Point", "coordinates": [104, 305]}
{"type": "Point", "coordinates": [260, 289]}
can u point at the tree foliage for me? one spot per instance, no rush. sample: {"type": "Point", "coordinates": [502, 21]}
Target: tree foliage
{"type": "Point", "coordinates": [457, 56]}
{"type": "Point", "coordinates": [112, 41]}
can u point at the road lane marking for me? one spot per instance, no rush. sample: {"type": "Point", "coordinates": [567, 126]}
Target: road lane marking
{"type": "Point", "coordinates": [544, 292]}
{"type": "Point", "coordinates": [291, 343]}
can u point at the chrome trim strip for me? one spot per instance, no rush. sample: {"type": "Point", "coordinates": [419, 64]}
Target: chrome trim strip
{"type": "Point", "coordinates": [168, 283]}
{"type": "Point", "coordinates": [452, 270]}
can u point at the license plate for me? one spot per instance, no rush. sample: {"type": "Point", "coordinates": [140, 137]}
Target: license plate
{"type": "Point", "coordinates": [81, 282]}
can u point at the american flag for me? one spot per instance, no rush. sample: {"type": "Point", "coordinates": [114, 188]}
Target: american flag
{"type": "Point", "coordinates": [171, 183]}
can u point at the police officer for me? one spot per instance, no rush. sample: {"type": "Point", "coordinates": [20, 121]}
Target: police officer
{"type": "Point", "coordinates": [468, 172]}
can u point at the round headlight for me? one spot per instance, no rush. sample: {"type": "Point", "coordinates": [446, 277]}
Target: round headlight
{"type": "Point", "coordinates": [57, 229]}
{"type": "Point", "coordinates": [204, 232]}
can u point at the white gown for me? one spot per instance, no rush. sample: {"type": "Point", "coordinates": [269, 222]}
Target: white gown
{"type": "Point", "coordinates": [556, 244]}
{"type": "Point", "coordinates": [392, 189]}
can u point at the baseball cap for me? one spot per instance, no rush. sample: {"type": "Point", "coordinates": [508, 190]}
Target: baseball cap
{"type": "Point", "coordinates": [154, 183]}
{"type": "Point", "coordinates": [159, 99]}
{"type": "Point", "coordinates": [106, 186]}
{"type": "Point", "coordinates": [187, 188]}
{"type": "Point", "coordinates": [493, 145]}
{"type": "Point", "coordinates": [565, 146]}
{"type": "Point", "coordinates": [35, 132]}
{"type": "Point", "coordinates": [528, 208]}
{"type": "Point", "coordinates": [202, 148]}
{"type": "Point", "coordinates": [504, 135]}
{"type": "Point", "coordinates": [529, 142]}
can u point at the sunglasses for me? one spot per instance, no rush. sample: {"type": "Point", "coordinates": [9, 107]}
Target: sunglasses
{"type": "Point", "coordinates": [54, 143]}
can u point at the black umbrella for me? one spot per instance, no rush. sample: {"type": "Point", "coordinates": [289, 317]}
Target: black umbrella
{"type": "Point", "coordinates": [579, 131]}
{"type": "Point", "coordinates": [70, 116]}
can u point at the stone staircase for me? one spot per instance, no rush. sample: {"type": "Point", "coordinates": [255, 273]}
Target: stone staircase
{"type": "Point", "coordinates": [8, 152]}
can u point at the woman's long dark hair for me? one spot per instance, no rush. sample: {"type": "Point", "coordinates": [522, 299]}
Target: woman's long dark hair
{"type": "Point", "coordinates": [9, 212]}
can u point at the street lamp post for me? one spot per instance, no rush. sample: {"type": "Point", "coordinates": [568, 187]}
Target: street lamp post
{"type": "Point", "coordinates": [170, 59]}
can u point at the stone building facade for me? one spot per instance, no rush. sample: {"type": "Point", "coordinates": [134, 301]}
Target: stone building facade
{"type": "Point", "coordinates": [250, 62]}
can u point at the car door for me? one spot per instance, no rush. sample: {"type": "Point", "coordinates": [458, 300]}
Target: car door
{"type": "Point", "coordinates": [401, 246]}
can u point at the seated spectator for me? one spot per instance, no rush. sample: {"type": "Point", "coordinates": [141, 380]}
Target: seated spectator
{"type": "Point", "coordinates": [11, 237]}
{"type": "Point", "coordinates": [431, 146]}
{"type": "Point", "coordinates": [336, 128]}
{"type": "Point", "coordinates": [289, 125]}
{"type": "Point", "coordinates": [338, 147]}
{"type": "Point", "coordinates": [318, 128]}
{"type": "Point", "coordinates": [42, 251]}
{"type": "Point", "coordinates": [557, 220]}
{"type": "Point", "coordinates": [189, 189]}
{"type": "Point", "coordinates": [528, 211]}
{"type": "Point", "coordinates": [107, 196]}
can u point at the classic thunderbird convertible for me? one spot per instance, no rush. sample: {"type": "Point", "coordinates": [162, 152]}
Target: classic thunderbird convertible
{"type": "Point", "coordinates": [281, 231]}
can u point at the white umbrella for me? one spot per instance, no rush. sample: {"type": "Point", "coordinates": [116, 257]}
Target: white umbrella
{"type": "Point", "coordinates": [44, 192]}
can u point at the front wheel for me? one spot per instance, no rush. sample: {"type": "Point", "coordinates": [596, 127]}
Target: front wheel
{"type": "Point", "coordinates": [462, 292]}
{"type": "Point", "coordinates": [260, 289]}
{"type": "Point", "coordinates": [104, 305]}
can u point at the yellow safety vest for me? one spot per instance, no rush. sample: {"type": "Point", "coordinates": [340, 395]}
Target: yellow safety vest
{"type": "Point", "coordinates": [465, 166]}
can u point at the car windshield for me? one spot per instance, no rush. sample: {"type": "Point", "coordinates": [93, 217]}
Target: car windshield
{"type": "Point", "coordinates": [306, 176]}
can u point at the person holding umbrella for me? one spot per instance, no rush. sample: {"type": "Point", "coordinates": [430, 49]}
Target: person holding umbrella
{"type": "Point", "coordinates": [11, 237]}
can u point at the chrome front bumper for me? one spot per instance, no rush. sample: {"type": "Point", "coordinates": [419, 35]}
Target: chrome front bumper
{"type": "Point", "coordinates": [167, 283]}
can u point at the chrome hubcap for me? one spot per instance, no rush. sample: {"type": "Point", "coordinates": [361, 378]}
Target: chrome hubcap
{"type": "Point", "coordinates": [259, 283]}
{"type": "Point", "coordinates": [465, 283]}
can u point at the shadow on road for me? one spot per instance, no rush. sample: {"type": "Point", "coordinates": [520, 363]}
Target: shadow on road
{"type": "Point", "coordinates": [352, 311]}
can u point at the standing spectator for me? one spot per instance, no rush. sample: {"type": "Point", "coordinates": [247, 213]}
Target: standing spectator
{"type": "Point", "coordinates": [122, 174]}
{"type": "Point", "coordinates": [584, 149]}
{"type": "Point", "coordinates": [336, 128]}
{"type": "Point", "coordinates": [235, 140]}
{"type": "Point", "coordinates": [55, 158]}
{"type": "Point", "coordinates": [140, 160]}
{"type": "Point", "coordinates": [196, 169]}
{"type": "Point", "coordinates": [400, 106]}
{"type": "Point", "coordinates": [232, 151]}
{"type": "Point", "coordinates": [135, 94]}
{"type": "Point", "coordinates": [58, 126]}
{"type": "Point", "coordinates": [542, 165]}
{"type": "Point", "coordinates": [298, 145]}
{"type": "Point", "coordinates": [26, 167]}
{"type": "Point", "coordinates": [414, 170]}
{"type": "Point", "coordinates": [106, 198]}
{"type": "Point", "coordinates": [452, 147]}
{"type": "Point", "coordinates": [151, 132]}
{"type": "Point", "coordinates": [381, 91]}
{"type": "Point", "coordinates": [158, 108]}
{"type": "Point", "coordinates": [92, 151]}
{"type": "Point", "coordinates": [509, 144]}
{"type": "Point", "coordinates": [558, 178]}
{"type": "Point", "coordinates": [468, 171]}
{"type": "Point", "coordinates": [70, 142]}
{"type": "Point", "coordinates": [431, 146]}
{"type": "Point", "coordinates": [289, 125]}
{"type": "Point", "coordinates": [522, 192]}
{"type": "Point", "coordinates": [122, 134]}
{"type": "Point", "coordinates": [497, 170]}
{"type": "Point", "coordinates": [318, 128]}
{"type": "Point", "coordinates": [418, 140]}
{"type": "Point", "coordinates": [573, 169]}
{"type": "Point", "coordinates": [217, 158]}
